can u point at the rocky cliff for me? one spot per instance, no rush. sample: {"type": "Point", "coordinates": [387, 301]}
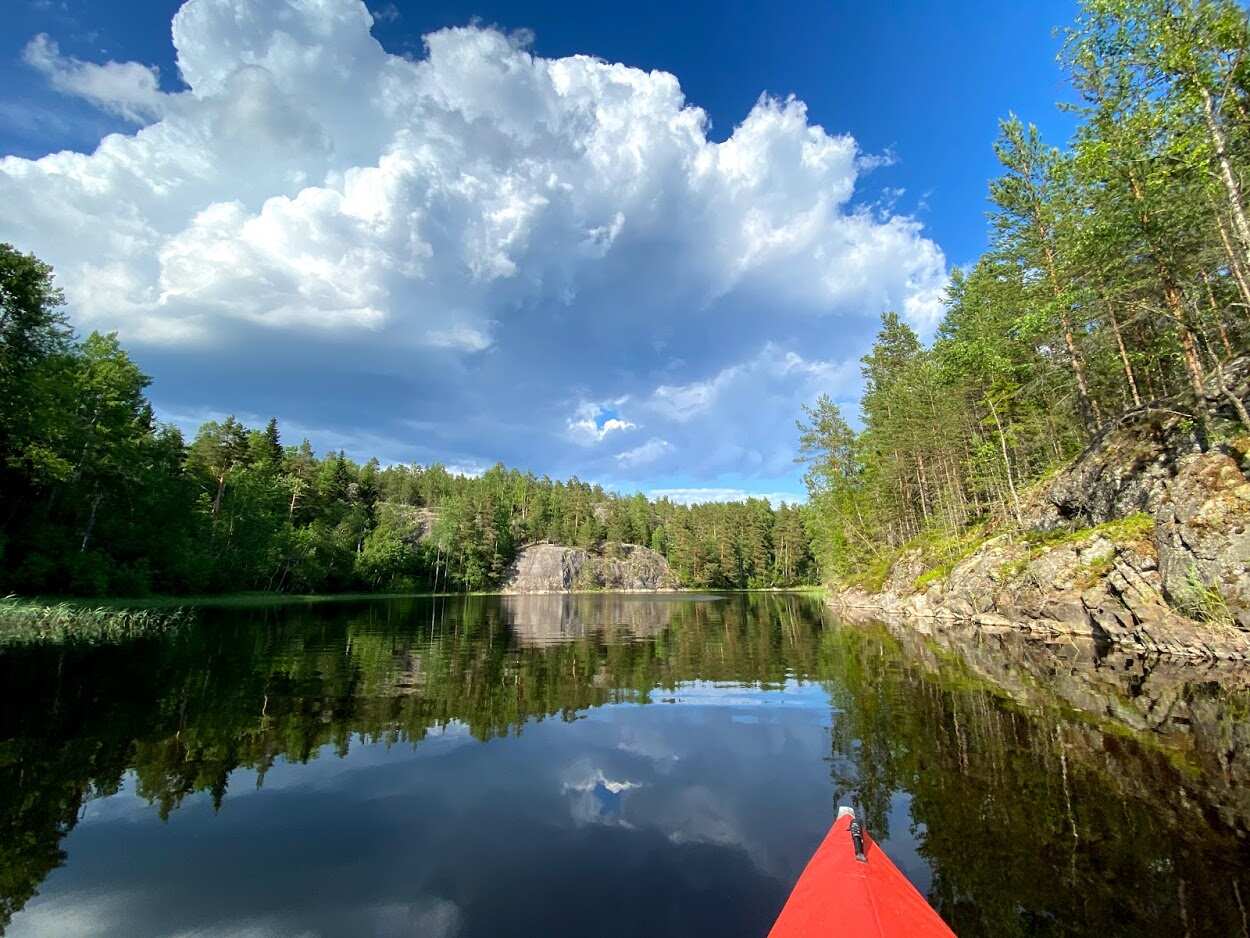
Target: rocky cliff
{"type": "Point", "coordinates": [1144, 541]}
{"type": "Point", "coordinates": [551, 568]}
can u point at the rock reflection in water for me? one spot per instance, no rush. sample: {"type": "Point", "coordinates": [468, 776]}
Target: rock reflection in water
{"type": "Point", "coordinates": [1061, 791]}
{"type": "Point", "coordinates": [1196, 712]}
{"type": "Point", "coordinates": [547, 618]}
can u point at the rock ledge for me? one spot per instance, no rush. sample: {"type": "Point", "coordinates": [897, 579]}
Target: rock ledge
{"type": "Point", "coordinates": [553, 568]}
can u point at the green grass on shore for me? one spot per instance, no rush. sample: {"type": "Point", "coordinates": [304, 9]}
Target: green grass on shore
{"type": "Point", "coordinates": [26, 621]}
{"type": "Point", "coordinates": [240, 600]}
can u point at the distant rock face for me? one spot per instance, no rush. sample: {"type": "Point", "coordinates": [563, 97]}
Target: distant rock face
{"type": "Point", "coordinates": [1182, 588]}
{"type": "Point", "coordinates": [552, 568]}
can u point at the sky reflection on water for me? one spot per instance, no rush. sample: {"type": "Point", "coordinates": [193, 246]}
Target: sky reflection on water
{"type": "Point", "coordinates": [605, 765]}
{"type": "Point", "coordinates": [689, 814]}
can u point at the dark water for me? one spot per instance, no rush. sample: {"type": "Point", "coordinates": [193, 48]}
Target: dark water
{"type": "Point", "coordinates": [605, 766]}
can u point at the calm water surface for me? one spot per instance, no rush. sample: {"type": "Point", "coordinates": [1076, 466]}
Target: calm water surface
{"type": "Point", "coordinates": [605, 765]}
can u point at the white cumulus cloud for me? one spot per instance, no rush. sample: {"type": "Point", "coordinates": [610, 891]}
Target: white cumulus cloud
{"type": "Point", "coordinates": [466, 236]}
{"type": "Point", "coordinates": [594, 422]}
{"type": "Point", "coordinates": [127, 89]}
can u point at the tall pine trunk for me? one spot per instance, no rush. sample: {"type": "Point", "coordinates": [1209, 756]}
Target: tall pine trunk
{"type": "Point", "coordinates": [86, 534]}
{"type": "Point", "coordinates": [1189, 354]}
{"type": "Point", "coordinates": [1174, 300]}
{"type": "Point", "coordinates": [1234, 261]}
{"type": "Point", "coordinates": [1228, 177]}
{"type": "Point", "coordinates": [1124, 359]}
{"type": "Point", "coordinates": [1011, 480]}
{"type": "Point", "coordinates": [1090, 415]}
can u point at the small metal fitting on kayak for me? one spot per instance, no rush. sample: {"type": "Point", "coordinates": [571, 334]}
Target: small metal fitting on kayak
{"type": "Point", "coordinates": [857, 832]}
{"type": "Point", "coordinates": [857, 838]}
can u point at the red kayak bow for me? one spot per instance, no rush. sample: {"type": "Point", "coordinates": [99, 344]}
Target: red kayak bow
{"type": "Point", "coordinates": [851, 889]}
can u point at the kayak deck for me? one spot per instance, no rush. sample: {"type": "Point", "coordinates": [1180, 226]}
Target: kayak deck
{"type": "Point", "coordinates": [841, 894]}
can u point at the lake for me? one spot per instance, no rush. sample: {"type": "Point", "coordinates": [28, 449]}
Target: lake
{"type": "Point", "coordinates": [606, 765]}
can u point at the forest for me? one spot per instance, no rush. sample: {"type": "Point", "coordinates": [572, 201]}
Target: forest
{"type": "Point", "coordinates": [1117, 280]}
{"type": "Point", "coordinates": [98, 498]}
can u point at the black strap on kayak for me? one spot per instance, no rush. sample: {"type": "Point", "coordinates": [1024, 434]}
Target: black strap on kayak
{"type": "Point", "coordinates": [857, 838]}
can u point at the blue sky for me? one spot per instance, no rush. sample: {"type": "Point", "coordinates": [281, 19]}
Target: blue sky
{"type": "Point", "coordinates": [475, 248]}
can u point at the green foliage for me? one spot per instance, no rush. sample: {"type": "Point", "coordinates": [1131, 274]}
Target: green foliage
{"type": "Point", "coordinates": [1132, 529]}
{"type": "Point", "coordinates": [939, 550]}
{"type": "Point", "coordinates": [1118, 274]}
{"type": "Point", "coordinates": [25, 622]}
{"type": "Point", "coordinates": [1094, 570]}
{"type": "Point", "coordinates": [942, 551]}
{"type": "Point", "coordinates": [871, 576]}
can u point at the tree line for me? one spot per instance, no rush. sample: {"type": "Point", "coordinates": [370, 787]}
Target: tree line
{"type": "Point", "coordinates": [97, 497]}
{"type": "Point", "coordinates": [1118, 276]}
{"type": "Point", "coordinates": [476, 525]}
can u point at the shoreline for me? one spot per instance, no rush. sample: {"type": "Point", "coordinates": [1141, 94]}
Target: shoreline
{"type": "Point", "coordinates": [243, 599]}
{"type": "Point", "coordinates": [1196, 647]}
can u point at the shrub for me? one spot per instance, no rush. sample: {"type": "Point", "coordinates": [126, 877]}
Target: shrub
{"type": "Point", "coordinates": [1204, 601]}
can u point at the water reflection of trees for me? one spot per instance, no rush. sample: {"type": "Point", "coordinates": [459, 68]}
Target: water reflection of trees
{"type": "Point", "coordinates": [1054, 798]}
{"type": "Point", "coordinates": [1044, 813]}
{"type": "Point", "coordinates": [246, 689]}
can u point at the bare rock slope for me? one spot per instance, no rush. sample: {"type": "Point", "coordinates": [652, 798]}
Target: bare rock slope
{"type": "Point", "coordinates": [1143, 541]}
{"type": "Point", "coordinates": [552, 568]}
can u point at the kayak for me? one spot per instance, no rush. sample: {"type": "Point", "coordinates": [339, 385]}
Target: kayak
{"type": "Point", "coordinates": [850, 888]}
